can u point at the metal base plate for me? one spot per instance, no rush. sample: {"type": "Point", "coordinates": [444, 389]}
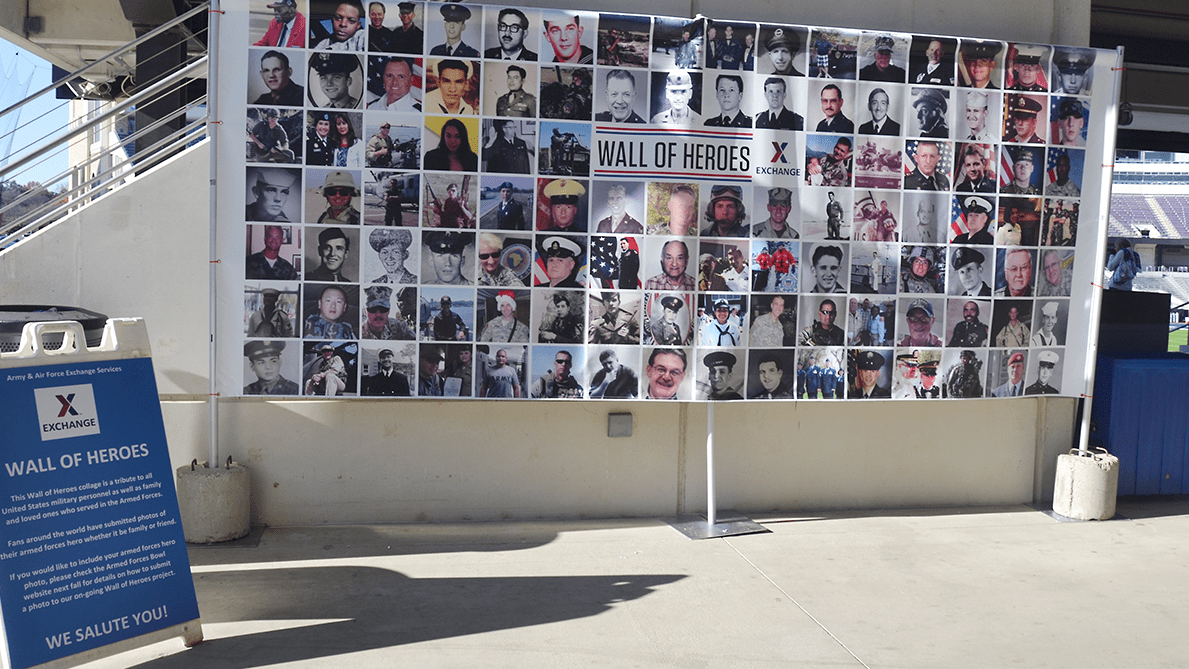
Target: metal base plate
{"type": "Point", "coordinates": [727, 523]}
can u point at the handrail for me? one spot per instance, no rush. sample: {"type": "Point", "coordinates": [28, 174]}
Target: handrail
{"type": "Point", "coordinates": [114, 54]}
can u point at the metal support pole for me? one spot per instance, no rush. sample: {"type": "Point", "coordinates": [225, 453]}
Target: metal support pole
{"type": "Point", "coordinates": [711, 504]}
{"type": "Point", "coordinates": [212, 98]}
{"type": "Point", "coordinates": [1099, 269]}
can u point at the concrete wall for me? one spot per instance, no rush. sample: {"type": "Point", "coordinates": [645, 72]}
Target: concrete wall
{"type": "Point", "coordinates": [142, 251]}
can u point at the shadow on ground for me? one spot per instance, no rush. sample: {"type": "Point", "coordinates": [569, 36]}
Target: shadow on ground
{"type": "Point", "coordinates": [383, 609]}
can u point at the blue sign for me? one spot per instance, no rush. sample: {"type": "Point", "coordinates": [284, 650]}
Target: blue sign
{"type": "Point", "coordinates": [92, 550]}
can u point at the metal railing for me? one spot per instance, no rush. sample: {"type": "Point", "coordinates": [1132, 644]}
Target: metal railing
{"type": "Point", "coordinates": [102, 159]}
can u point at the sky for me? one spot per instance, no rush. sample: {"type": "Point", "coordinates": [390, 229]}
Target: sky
{"type": "Point", "coordinates": [52, 112]}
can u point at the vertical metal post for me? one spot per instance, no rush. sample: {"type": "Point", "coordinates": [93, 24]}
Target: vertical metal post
{"type": "Point", "coordinates": [711, 505]}
{"type": "Point", "coordinates": [212, 125]}
{"type": "Point", "coordinates": [1099, 269]}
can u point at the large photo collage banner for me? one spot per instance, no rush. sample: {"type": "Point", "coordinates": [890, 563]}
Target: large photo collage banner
{"type": "Point", "coordinates": [457, 200]}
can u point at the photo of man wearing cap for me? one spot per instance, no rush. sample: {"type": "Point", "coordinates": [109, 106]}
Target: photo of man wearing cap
{"type": "Point", "coordinates": [1024, 122]}
{"type": "Point", "coordinates": [387, 381]}
{"type": "Point", "coordinates": [264, 360]}
{"type": "Point", "coordinates": [1024, 178]}
{"type": "Point", "coordinates": [272, 318]}
{"type": "Point", "coordinates": [869, 368]}
{"type": "Point", "coordinates": [408, 36]}
{"type": "Point", "coordinates": [559, 316]}
{"type": "Point", "coordinates": [454, 24]}
{"type": "Point", "coordinates": [563, 259]}
{"type": "Point", "coordinates": [1046, 363]}
{"type": "Point", "coordinates": [340, 80]}
{"type": "Point", "coordinates": [669, 321]}
{"type": "Point", "coordinates": [777, 225]}
{"type": "Point", "coordinates": [881, 67]}
{"type": "Point", "coordinates": [446, 257]}
{"type": "Point", "coordinates": [976, 214]}
{"type": "Point", "coordinates": [722, 326]}
{"type": "Point", "coordinates": [726, 213]}
{"type": "Point", "coordinates": [377, 322]}
{"type": "Point", "coordinates": [1014, 385]}
{"type": "Point", "coordinates": [718, 381]}
{"type": "Point", "coordinates": [508, 211]}
{"type": "Point", "coordinates": [932, 107]}
{"type": "Point", "coordinates": [1071, 122]}
{"type": "Point", "coordinates": [565, 214]}
{"type": "Point", "coordinates": [392, 249]}
{"type": "Point", "coordinates": [1048, 334]}
{"type": "Point", "coordinates": [1071, 66]}
{"type": "Point", "coordinates": [677, 93]}
{"type": "Point", "coordinates": [968, 279]}
{"type": "Point", "coordinates": [287, 27]}
{"type": "Point", "coordinates": [919, 270]}
{"type": "Point", "coordinates": [780, 50]}
{"type": "Point", "coordinates": [1061, 164]}
{"type": "Point", "coordinates": [342, 29]}
{"type": "Point", "coordinates": [980, 124]}
{"type": "Point", "coordinates": [612, 319]}
{"type": "Point", "coordinates": [931, 61]}
{"type": "Point", "coordinates": [978, 66]}
{"type": "Point", "coordinates": [325, 371]}
{"type": "Point", "coordinates": [334, 251]}
{"type": "Point", "coordinates": [1029, 69]}
{"type": "Point", "coordinates": [918, 314]}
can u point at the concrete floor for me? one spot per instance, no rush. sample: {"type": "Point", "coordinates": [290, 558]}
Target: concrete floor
{"type": "Point", "coordinates": [905, 589]}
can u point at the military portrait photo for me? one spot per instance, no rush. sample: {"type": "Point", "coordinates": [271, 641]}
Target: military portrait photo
{"type": "Point", "coordinates": [447, 258]}
{"type": "Point", "coordinates": [510, 90]}
{"type": "Point", "coordinates": [827, 270]}
{"type": "Point", "coordinates": [503, 315]}
{"type": "Point", "coordinates": [1019, 221]}
{"type": "Point", "coordinates": [1044, 376]}
{"type": "Point", "coordinates": [979, 114]}
{"type": "Point", "coordinates": [882, 112]}
{"type": "Point", "coordinates": [973, 219]}
{"type": "Point", "coordinates": [980, 64]}
{"type": "Point", "coordinates": [721, 320]}
{"type": "Point", "coordinates": [394, 84]}
{"type": "Point", "coordinates": [927, 164]}
{"type": "Point", "coordinates": [329, 368]}
{"type": "Point", "coordinates": [725, 104]}
{"type": "Point", "coordinates": [450, 201]}
{"type": "Point", "coordinates": [509, 146]}
{"type": "Point", "coordinates": [332, 196]}
{"type": "Point", "coordinates": [387, 370]}
{"type": "Point", "coordinates": [391, 257]}
{"type": "Point", "coordinates": [1073, 70]}
{"type": "Point", "coordinates": [557, 372]}
{"type": "Point", "coordinates": [779, 102]}
{"type": "Point", "coordinates": [883, 57]}
{"type": "Point", "coordinates": [968, 323]}
{"type": "Point", "coordinates": [391, 198]}
{"type": "Point", "coordinates": [272, 194]}
{"type": "Point", "coordinates": [773, 321]}
{"type": "Point", "coordinates": [336, 80]}
{"type": "Point", "coordinates": [720, 374]}
{"type": "Point", "coordinates": [1027, 67]}
{"type": "Point", "coordinates": [677, 43]}
{"type": "Point", "coordinates": [561, 261]}
{"type": "Point", "coordinates": [512, 34]}
{"type": "Point", "coordinates": [781, 50]}
{"type": "Point", "coordinates": [676, 98]}
{"type": "Point", "coordinates": [623, 40]}
{"type": "Point", "coordinates": [563, 205]}
{"type": "Point", "coordinates": [1070, 118]}
{"type": "Point", "coordinates": [770, 374]}
{"type": "Point", "coordinates": [613, 372]}
{"type": "Point", "coordinates": [389, 313]}
{"type": "Point", "coordinates": [733, 46]}
{"type": "Point", "coordinates": [618, 207]}
{"type": "Point", "coordinates": [925, 217]}
{"type": "Point", "coordinates": [976, 168]}
{"type": "Point", "coordinates": [268, 370]}
{"type": "Point", "coordinates": [1063, 178]}
{"type": "Point", "coordinates": [614, 318]}
{"type": "Point", "coordinates": [922, 269]}
{"type": "Point", "coordinates": [563, 149]}
{"type": "Point", "coordinates": [271, 310]}
{"type": "Point", "coordinates": [962, 373]}
{"type": "Point", "coordinates": [569, 36]}
{"type": "Point", "coordinates": [332, 254]}
{"type": "Point", "coordinates": [504, 259]}
{"type": "Point", "coordinates": [278, 23]}
{"type": "Point", "coordinates": [452, 86]}
{"type": "Point", "coordinates": [276, 77]}
{"type": "Point", "coordinates": [621, 96]}
{"type": "Point", "coordinates": [668, 318]}
{"type": "Point", "coordinates": [1025, 118]}
{"type": "Point", "coordinates": [1011, 324]}
{"type": "Point", "coordinates": [932, 113]}
{"type": "Point", "coordinates": [1055, 275]}
{"type": "Point", "coordinates": [1050, 322]}
{"type": "Point", "coordinates": [1005, 372]}
{"type": "Point", "coordinates": [931, 60]}
{"type": "Point", "coordinates": [279, 254]}
{"type": "Point", "coordinates": [330, 311]}
{"type": "Point", "coordinates": [873, 267]}
{"type": "Point", "coordinates": [1014, 269]}
{"type": "Point", "coordinates": [835, 107]}
{"type": "Point", "coordinates": [915, 374]}
{"type": "Point", "coordinates": [615, 261]}
{"type": "Point", "coordinates": [506, 203]}
{"type": "Point", "coordinates": [870, 375]}
{"type": "Point", "coordinates": [969, 272]}
{"type": "Point", "coordinates": [274, 136]}
{"type": "Point", "coordinates": [559, 316]}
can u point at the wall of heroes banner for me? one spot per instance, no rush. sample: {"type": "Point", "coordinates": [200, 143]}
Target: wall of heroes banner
{"type": "Point", "coordinates": [484, 201]}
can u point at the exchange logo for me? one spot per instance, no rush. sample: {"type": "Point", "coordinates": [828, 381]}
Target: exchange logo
{"type": "Point", "coordinates": [66, 411]}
